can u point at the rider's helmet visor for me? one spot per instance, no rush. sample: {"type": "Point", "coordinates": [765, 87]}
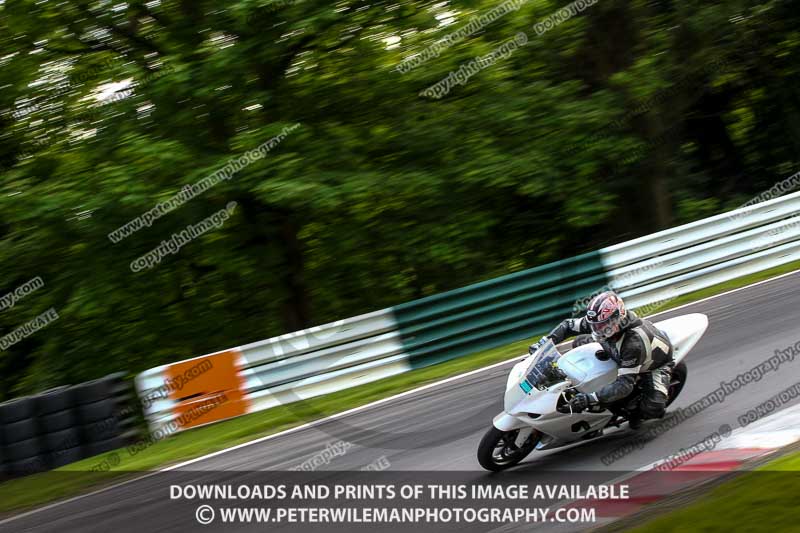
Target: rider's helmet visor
{"type": "Point", "coordinates": [605, 328]}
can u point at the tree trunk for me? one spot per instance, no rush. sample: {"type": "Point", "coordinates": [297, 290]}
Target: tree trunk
{"type": "Point", "coordinates": [660, 195]}
{"type": "Point", "coordinates": [274, 232]}
{"type": "Point", "coordinates": [297, 307]}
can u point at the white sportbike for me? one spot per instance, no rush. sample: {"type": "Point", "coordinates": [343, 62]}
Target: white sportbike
{"type": "Point", "coordinates": [537, 414]}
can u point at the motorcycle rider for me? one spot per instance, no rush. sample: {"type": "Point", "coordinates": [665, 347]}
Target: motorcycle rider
{"type": "Point", "coordinates": [641, 350]}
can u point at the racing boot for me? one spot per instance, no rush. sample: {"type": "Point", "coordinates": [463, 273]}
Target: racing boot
{"type": "Point", "coordinates": [635, 419]}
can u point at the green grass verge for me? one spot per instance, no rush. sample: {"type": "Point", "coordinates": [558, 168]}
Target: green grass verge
{"type": "Point", "coordinates": [48, 486]}
{"type": "Point", "coordinates": [764, 500]}
{"type": "Point", "coordinates": [37, 489]}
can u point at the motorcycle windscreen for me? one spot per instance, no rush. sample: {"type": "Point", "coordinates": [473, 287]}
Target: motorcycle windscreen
{"type": "Point", "coordinates": [542, 372]}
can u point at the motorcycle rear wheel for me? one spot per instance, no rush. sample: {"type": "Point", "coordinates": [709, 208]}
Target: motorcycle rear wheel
{"type": "Point", "coordinates": [677, 381]}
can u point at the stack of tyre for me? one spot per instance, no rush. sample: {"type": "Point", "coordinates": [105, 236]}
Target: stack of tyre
{"type": "Point", "coordinates": [58, 421]}
{"type": "Point", "coordinates": [22, 451]}
{"type": "Point", "coordinates": [105, 418]}
{"type": "Point", "coordinates": [64, 425]}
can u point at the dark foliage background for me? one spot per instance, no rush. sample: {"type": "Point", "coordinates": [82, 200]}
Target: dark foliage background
{"type": "Point", "coordinates": [631, 117]}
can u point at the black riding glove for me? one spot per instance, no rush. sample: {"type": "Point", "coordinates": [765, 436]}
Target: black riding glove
{"type": "Point", "coordinates": [536, 345]}
{"type": "Point", "coordinates": [582, 401]}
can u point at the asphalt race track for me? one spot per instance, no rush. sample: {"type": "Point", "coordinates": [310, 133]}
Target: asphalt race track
{"type": "Point", "coordinates": [438, 429]}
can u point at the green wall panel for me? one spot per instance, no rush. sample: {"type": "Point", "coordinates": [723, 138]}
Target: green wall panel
{"type": "Point", "coordinates": [496, 312]}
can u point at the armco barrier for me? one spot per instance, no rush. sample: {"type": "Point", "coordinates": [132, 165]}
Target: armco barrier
{"type": "Point", "coordinates": [700, 231]}
{"type": "Point", "coordinates": [646, 271]}
{"type": "Point", "coordinates": [275, 371]}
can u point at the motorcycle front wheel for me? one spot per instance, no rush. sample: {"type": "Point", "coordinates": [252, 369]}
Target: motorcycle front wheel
{"type": "Point", "coordinates": [498, 451]}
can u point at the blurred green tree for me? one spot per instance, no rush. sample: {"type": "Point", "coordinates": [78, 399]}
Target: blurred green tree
{"type": "Point", "coordinates": [629, 117]}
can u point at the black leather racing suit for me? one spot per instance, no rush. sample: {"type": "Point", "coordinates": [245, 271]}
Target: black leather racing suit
{"type": "Point", "coordinates": [642, 352]}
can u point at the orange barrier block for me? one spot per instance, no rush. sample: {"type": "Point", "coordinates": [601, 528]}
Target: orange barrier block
{"type": "Point", "coordinates": [206, 389]}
